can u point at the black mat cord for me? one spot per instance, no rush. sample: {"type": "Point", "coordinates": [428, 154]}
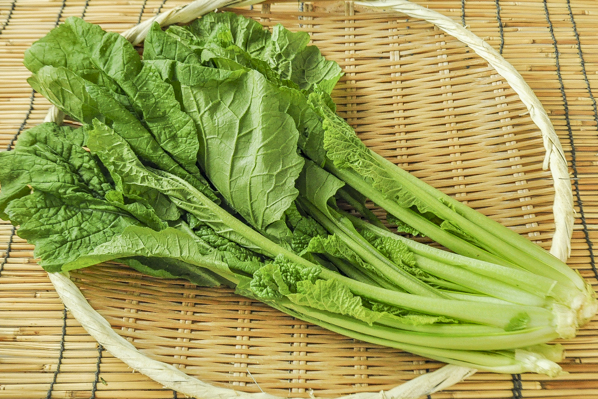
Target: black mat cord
{"type": "Point", "coordinates": [97, 373]}
{"type": "Point", "coordinates": [142, 11]}
{"type": "Point", "coordinates": [517, 387]}
{"type": "Point", "coordinates": [589, 89]}
{"type": "Point", "coordinates": [583, 62]}
{"type": "Point", "coordinates": [62, 6]}
{"type": "Point", "coordinates": [85, 6]}
{"type": "Point", "coordinates": [24, 123]}
{"type": "Point", "coordinates": [500, 27]}
{"type": "Point", "coordinates": [60, 355]}
{"type": "Point", "coordinates": [32, 97]}
{"type": "Point", "coordinates": [463, 12]}
{"type": "Point", "coordinates": [161, 7]}
{"type": "Point", "coordinates": [7, 253]}
{"type": "Point", "coordinates": [10, 11]}
{"type": "Point", "coordinates": [581, 214]}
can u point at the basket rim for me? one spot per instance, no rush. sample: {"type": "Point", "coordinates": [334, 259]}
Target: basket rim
{"type": "Point", "coordinates": [169, 376]}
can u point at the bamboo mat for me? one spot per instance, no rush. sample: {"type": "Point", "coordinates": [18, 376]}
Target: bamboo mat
{"type": "Point", "coordinates": [450, 126]}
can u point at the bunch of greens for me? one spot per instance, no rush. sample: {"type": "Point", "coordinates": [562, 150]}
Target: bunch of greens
{"type": "Point", "coordinates": [218, 157]}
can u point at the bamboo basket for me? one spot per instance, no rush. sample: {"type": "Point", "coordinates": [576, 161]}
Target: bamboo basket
{"type": "Point", "coordinates": [420, 90]}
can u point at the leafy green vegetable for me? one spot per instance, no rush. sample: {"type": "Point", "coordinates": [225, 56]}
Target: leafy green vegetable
{"type": "Point", "coordinates": [217, 157]}
{"type": "Point", "coordinates": [53, 189]}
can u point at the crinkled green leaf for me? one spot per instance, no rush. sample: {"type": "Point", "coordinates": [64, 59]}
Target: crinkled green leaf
{"type": "Point", "coordinates": [62, 231]}
{"type": "Point", "coordinates": [332, 245]}
{"type": "Point", "coordinates": [152, 98]}
{"type": "Point", "coordinates": [141, 210]}
{"type": "Point", "coordinates": [332, 296]}
{"type": "Point", "coordinates": [280, 278]}
{"type": "Point", "coordinates": [223, 244]}
{"type": "Point", "coordinates": [46, 167]}
{"type": "Point", "coordinates": [347, 151]}
{"type": "Point", "coordinates": [86, 101]}
{"type": "Point", "coordinates": [54, 189]}
{"type": "Point", "coordinates": [136, 241]}
{"type": "Point", "coordinates": [286, 52]}
{"type": "Point", "coordinates": [122, 167]}
{"type": "Point", "coordinates": [396, 251]}
{"type": "Point", "coordinates": [401, 226]}
{"type": "Point", "coordinates": [248, 147]}
{"type": "Point", "coordinates": [63, 146]}
{"type": "Point", "coordinates": [305, 230]}
{"type": "Point", "coordinates": [70, 45]}
{"type": "Point", "coordinates": [136, 179]}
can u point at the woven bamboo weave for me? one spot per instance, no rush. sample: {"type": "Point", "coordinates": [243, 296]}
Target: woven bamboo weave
{"type": "Point", "coordinates": [416, 96]}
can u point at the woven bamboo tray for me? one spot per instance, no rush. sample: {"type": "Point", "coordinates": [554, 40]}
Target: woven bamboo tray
{"type": "Point", "coordinates": [415, 95]}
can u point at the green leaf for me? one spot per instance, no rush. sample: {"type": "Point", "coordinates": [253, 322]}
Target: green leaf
{"type": "Point", "coordinates": [136, 181]}
{"type": "Point", "coordinates": [141, 210]}
{"type": "Point", "coordinates": [332, 296]}
{"type": "Point", "coordinates": [248, 147]}
{"type": "Point", "coordinates": [280, 278]}
{"type": "Point", "coordinates": [396, 251]}
{"type": "Point", "coordinates": [222, 244]}
{"type": "Point", "coordinates": [305, 230]}
{"type": "Point", "coordinates": [231, 59]}
{"type": "Point", "coordinates": [182, 251]}
{"type": "Point", "coordinates": [53, 189]}
{"type": "Point", "coordinates": [318, 186]}
{"type": "Point", "coordinates": [70, 45]}
{"type": "Point", "coordinates": [334, 246]}
{"type": "Point", "coordinates": [86, 101]}
{"type": "Point", "coordinates": [286, 52]}
{"type": "Point", "coordinates": [152, 98]}
{"type": "Point", "coordinates": [173, 129]}
{"type": "Point", "coordinates": [63, 146]}
{"type": "Point", "coordinates": [159, 45]}
{"type": "Point", "coordinates": [62, 231]}
{"type": "Point", "coordinates": [122, 167]}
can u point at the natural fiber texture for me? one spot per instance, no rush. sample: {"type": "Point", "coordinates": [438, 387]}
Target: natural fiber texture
{"type": "Point", "coordinates": [555, 158]}
{"type": "Point", "coordinates": [416, 96]}
{"type": "Point", "coordinates": [169, 376]}
{"type": "Point", "coordinates": [175, 379]}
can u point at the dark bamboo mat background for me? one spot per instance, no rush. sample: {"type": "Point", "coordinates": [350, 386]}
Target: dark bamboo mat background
{"type": "Point", "coordinates": [44, 353]}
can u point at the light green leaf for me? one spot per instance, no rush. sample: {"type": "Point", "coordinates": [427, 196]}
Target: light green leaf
{"type": "Point", "coordinates": [280, 278]}
{"type": "Point", "coordinates": [136, 180]}
{"type": "Point", "coordinates": [318, 186]}
{"type": "Point", "coordinates": [347, 151]}
{"type": "Point", "coordinates": [86, 101]}
{"type": "Point", "coordinates": [248, 147]}
{"type": "Point", "coordinates": [332, 296]}
{"type": "Point", "coordinates": [286, 52]}
{"type": "Point", "coordinates": [61, 231]}
{"type": "Point", "coordinates": [170, 243]}
{"type": "Point", "coordinates": [70, 45]}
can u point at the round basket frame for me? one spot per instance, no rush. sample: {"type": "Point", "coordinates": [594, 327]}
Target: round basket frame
{"type": "Point", "coordinates": [173, 378]}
